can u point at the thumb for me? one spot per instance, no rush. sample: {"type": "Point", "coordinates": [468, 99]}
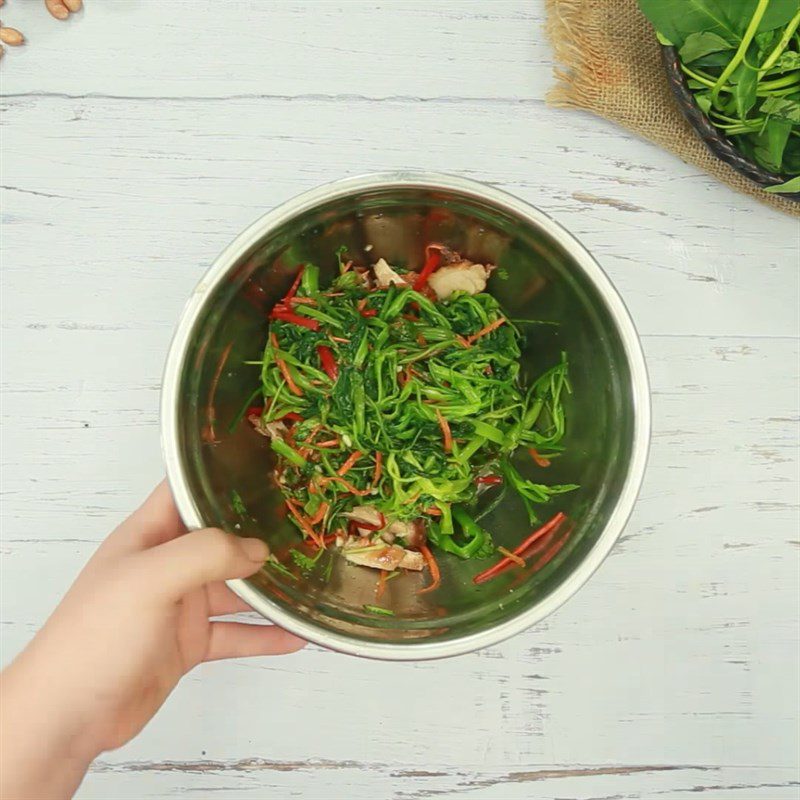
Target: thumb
{"type": "Point", "coordinates": [194, 559]}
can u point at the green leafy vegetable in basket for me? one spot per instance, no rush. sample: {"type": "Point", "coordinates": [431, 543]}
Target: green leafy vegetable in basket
{"type": "Point", "coordinates": [742, 62]}
{"type": "Point", "coordinates": [395, 404]}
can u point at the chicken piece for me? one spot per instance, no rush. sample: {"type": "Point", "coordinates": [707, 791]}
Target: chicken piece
{"type": "Point", "coordinates": [463, 276]}
{"type": "Point", "coordinates": [272, 430]}
{"type": "Point", "coordinates": [388, 558]}
{"type": "Point", "coordinates": [412, 533]}
{"type": "Point", "coordinates": [369, 515]}
{"type": "Point", "coordinates": [386, 276]}
{"type": "Point", "coordinates": [367, 520]}
{"type": "Point", "coordinates": [412, 560]}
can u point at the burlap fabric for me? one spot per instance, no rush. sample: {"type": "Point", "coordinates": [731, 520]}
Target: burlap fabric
{"type": "Point", "coordinates": [612, 67]}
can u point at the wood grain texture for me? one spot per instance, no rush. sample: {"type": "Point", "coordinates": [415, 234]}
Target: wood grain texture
{"type": "Point", "coordinates": [141, 137]}
{"type": "Point", "coordinates": [193, 48]}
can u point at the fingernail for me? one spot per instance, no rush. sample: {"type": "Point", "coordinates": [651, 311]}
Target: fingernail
{"type": "Point", "coordinates": [255, 549]}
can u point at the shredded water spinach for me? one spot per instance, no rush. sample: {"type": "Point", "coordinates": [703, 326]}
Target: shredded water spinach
{"type": "Point", "coordinates": [391, 410]}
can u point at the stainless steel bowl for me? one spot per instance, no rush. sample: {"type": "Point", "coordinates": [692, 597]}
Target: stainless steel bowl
{"type": "Point", "coordinates": [550, 277]}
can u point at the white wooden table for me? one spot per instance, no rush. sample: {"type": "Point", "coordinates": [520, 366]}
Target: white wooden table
{"type": "Point", "coordinates": [142, 136]}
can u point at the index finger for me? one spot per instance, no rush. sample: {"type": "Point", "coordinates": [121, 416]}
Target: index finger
{"type": "Point", "coordinates": [156, 521]}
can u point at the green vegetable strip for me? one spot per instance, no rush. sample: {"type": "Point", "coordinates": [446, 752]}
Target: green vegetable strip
{"type": "Point", "coordinates": [400, 374]}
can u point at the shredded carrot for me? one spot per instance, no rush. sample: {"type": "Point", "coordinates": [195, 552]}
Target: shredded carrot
{"type": "Point", "coordinates": [209, 434]}
{"type": "Point", "coordinates": [340, 339]}
{"type": "Point", "coordinates": [488, 329]}
{"type": "Point", "coordinates": [349, 464]}
{"type": "Point", "coordinates": [432, 511]}
{"type": "Point", "coordinates": [314, 431]}
{"type": "Point", "coordinates": [328, 443]}
{"type": "Point", "coordinates": [421, 341]}
{"type": "Point", "coordinates": [304, 523]}
{"type": "Point", "coordinates": [287, 376]}
{"type": "Point", "coordinates": [304, 301]}
{"type": "Point", "coordinates": [540, 460]}
{"type": "Point", "coordinates": [520, 562]}
{"type": "Point", "coordinates": [436, 577]}
{"type": "Point", "coordinates": [548, 530]}
{"type": "Point", "coordinates": [290, 295]}
{"type": "Point", "coordinates": [446, 434]}
{"type": "Point", "coordinates": [378, 466]}
{"type": "Point", "coordinates": [319, 516]}
{"type": "Point", "coordinates": [462, 341]}
{"type": "Point", "coordinates": [347, 485]}
{"type": "Point", "coordinates": [326, 540]}
{"type": "Point", "coordinates": [381, 587]}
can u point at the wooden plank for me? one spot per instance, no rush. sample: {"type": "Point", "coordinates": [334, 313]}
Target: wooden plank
{"type": "Point", "coordinates": [199, 48]}
{"type": "Point", "coordinates": [255, 778]}
{"type": "Point", "coordinates": [150, 192]}
{"type": "Point", "coordinates": [677, 650]}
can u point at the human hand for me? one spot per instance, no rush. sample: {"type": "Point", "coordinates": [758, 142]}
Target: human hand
{"type": "Point", "coordinates": [134, 622]}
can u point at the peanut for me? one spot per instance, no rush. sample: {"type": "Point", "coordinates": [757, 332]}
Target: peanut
{"type": "Point", "coordinates": [57, 9]}
{"type": "Point", "coordinates": [2, 51]}
{"type": "Point", "coordinates": [73, 5]}
{"type": "Point", "coordinates": [11, 36]}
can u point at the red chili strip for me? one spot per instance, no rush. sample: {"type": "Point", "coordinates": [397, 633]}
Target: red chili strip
{"type": "Point", "coordinates": [364, 311]}
{"type": "Point", "coordinates": [282, 313]}
{"type": "Point", "coordinates": [328, 362]}
{"type": "Point", "coordinates": [551, 552]}
{"type": "Point", "coordinates": [489, 480]}
{"type": "Point", "coordinates": [549, 527]}
{"type": "Point", "coordinates": [431, 264]}
{"type": "Point", "coordinates": [289, 296]}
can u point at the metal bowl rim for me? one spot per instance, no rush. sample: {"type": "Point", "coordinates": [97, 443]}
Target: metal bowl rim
{"type": "Point", "coordinates": [640, 396]}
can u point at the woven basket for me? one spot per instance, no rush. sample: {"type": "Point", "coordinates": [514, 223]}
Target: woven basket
{"type": "Point", "coordinates": [713, 138]}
